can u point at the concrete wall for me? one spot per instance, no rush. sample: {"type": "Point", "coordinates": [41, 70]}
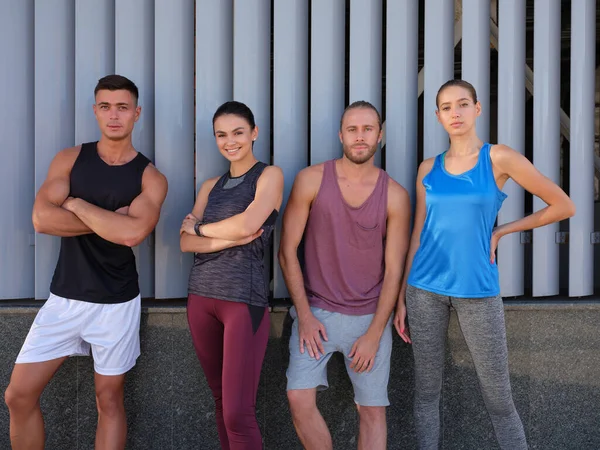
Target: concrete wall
{"type": "Point", "coordinates": [554, 363]}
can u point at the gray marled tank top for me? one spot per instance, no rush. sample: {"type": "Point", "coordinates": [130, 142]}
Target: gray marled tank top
{"type": "Point", "coordinates": [236, 274]}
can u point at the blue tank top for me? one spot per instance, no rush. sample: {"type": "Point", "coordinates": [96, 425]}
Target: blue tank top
{"type": "Point", "coordinates": [453, 257]}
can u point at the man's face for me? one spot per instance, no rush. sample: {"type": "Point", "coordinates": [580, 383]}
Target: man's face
{"type": "Point", "coordinates": [360, 134]}
{"type": "Point", "coordinates": [116, 113]}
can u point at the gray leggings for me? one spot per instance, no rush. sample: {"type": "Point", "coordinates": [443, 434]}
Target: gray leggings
{"type": "Point", "coordinates": [482, 323]}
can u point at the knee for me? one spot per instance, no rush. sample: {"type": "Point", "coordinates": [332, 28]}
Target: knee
{"type": "Point", "coordinates": [302, 402]}
{"type": "Point", "coordinates": [239, 420]}
{"type": "Point", "coordinates": [372, 415]}
{"type": "Point", "coordinates": [110, 402]}
{"type": "Point", "coordinates": [19, 400]}
{"type": "Point", "coordinates": [500, 406]}
{"type": "Point", "coordinates": [428, 390]}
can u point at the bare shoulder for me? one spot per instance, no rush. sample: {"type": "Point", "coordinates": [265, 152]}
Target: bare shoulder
{"type": "Point", "coordinates": [67, 156]}
{"type": "Point", "coordinates": [395, 189]}
{"type": "Point", "coordinates": [272, 173]}
{"type": "Point", "coordinates": [308, 182]}
{"type": "Point", "coordinates": [426, 166]}
{"type": "Point", "coordinates": [153, 180]}
{"type": "Point", "coordinates": [508, 160]}
{"type": "Point", "coordinates": [398, 196]}
{"type": "Point", "coordinates": [209, 184]}
{"type": "Point", "coordinates": [311, 175]}
{"type": "Point", "coordinates": [63, 162]}
{"type": "Point", "coordinates": [153, 175]}
{"type": "Point", "coordinates": [501, 153]}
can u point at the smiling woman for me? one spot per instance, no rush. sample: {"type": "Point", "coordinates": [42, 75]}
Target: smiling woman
{"type": "Point", "coordinates": [228, 230]}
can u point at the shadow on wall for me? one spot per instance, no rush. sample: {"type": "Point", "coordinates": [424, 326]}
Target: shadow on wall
{"type": "Point", "coordinates": [555, 377]}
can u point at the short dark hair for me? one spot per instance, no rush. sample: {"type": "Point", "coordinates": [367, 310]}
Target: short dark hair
{"type": "Point", "coordinates": [117, 83]}
{"type": "Point", "coordinates": [237, 109]}
{"type": "Point", "coordinates": [459, 83]}
{"type": "Point", "coordinates": [360, 104]}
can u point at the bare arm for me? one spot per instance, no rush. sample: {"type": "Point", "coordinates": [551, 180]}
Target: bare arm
{"type": "Point", "coordinates": [197, 244]}
{"type": "Point", "coordinates": [397, 238]}
{"type": "Point", "coordinates": [305, 188]}
{"type": "Point", "coordinates": [269, 194]}
{"type": "Point", "coordinates": [415, 242]}
{"type": "Point", "coordinates": [190, 242]}
{"type": "Point", "coordinates": [49, 217]}
{"type": "Point", "coordinates": [130, 229]}
{"type": "Point", "coordinates": [512, 164]}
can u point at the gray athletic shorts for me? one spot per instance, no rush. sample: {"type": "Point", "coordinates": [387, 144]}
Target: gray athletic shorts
{"type": "Point", "coordinates": [304, 372]}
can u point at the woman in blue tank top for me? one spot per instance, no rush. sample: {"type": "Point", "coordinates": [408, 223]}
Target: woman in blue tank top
{"type": "Point", "coordinates": [451, 262]}
{"type": "Point", "coordinates": [228, 231]}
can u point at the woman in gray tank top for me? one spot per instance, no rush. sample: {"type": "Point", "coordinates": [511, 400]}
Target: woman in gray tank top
{"type": "Point", "coordinates": [228, 230]}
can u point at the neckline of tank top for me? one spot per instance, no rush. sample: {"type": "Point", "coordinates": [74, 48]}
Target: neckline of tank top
{"type": "Point", "coordinates": [466, 172]}
{"type": "Point", "coordinates": [335, 179]}
{"type": "Point", "coordinates": [113, 165]}
{"type": "Point", "coordinates": [229, 177]}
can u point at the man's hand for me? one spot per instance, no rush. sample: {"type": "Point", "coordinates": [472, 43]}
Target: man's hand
{"type": "Point", "coordinates": [188, 225]}
{"type": "Point", "coordinates": [69, 204]}
{"type": "Point", "coordinates": [310, 331]}
{"type": "Point", "coordinates": [363, 352]}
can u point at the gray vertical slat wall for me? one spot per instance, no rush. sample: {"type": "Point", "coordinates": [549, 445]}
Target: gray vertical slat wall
{"type": "Point", "coordinates": [401, 71]}
{"type": "Point", "coordinates": [546, 136]}
{"type": "Point", "coordinates": [511, 132]}
{"type": "Point", "coordinates": [54, 111]}
{"type": "Point", "coordinates": [583, 71]}
{"type": "Point", "coordinates": [476, 57]}
{"type": "Point", "coordinates": [94, 58]}
{"type": "Point", "coordinates": [62, 48]}
{"type": "Point", "coordinates": [134, 58]}
{"type": "Point", "coordinates": [17, 258]}
{"type": "Point", "coordinates": [214, 81]}
{"type": "Point", "coordinates": [251, 66]}
{"type": "Point", "coordinates": [439, 68]}
{"type": "Point", "coordinates": [327, 50]}
{"type": "Point", "coordinates": [174, 138]}
{"type": "Point", "coordinates": [365, 53]}
{"type": "Point", "coordinates": [290, 102]}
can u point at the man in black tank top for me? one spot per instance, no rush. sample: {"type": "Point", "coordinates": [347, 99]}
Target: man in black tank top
{"type": "Point", "coordinates": [101, 198]}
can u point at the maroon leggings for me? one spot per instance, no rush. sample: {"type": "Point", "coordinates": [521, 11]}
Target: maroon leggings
{"type": "Point", "coordinates": [231, 354]}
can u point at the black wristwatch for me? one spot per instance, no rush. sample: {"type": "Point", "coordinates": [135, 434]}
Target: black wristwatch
{"type": "Point", "coordinates": [197, 226]}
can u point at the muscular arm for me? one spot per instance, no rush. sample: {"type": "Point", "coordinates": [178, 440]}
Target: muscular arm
{"type": "Point", "coordinates": [397, 238]}
{"type": "Point", "coordinates": [420, 213]}
{"type": "Point", "coordinates": [294, 223]}
{"type": "Point", "coordinates": [512, 164]}
{"type": "Point", "coordinates": [415, 242]}
{"type": "Point", "coordinates": [269, 194]}
{"type": "Point", "coordinates": [130, 229]}
{"type": "Point", "coordinates": [49, 217]}
{"type": "Point", "coordinates": [305, 188]}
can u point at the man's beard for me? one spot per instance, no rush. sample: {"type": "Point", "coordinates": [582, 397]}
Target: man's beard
{"type": "Point", "coordinates": [359, 159]}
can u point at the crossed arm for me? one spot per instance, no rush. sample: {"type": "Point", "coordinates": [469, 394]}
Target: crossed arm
{"type": "Point", "coordinates": [236, 230]}
{"type": "Point", "coordinates": [49, 217]}
{"type": "Point", "coordinates": [56, 213]}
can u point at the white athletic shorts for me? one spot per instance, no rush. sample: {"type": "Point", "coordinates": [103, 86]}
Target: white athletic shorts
{"type": "Point", "coordinates": [65, 327]}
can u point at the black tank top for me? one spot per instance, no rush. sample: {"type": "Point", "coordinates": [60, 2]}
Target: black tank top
{"type": "Point", "coordinates": [235, 274]}
{"type": "Point", "coordinates": [90, 268]}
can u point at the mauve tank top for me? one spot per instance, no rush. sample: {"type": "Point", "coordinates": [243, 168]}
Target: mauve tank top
{"type": "Point", "coordinates": [344, 247]}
